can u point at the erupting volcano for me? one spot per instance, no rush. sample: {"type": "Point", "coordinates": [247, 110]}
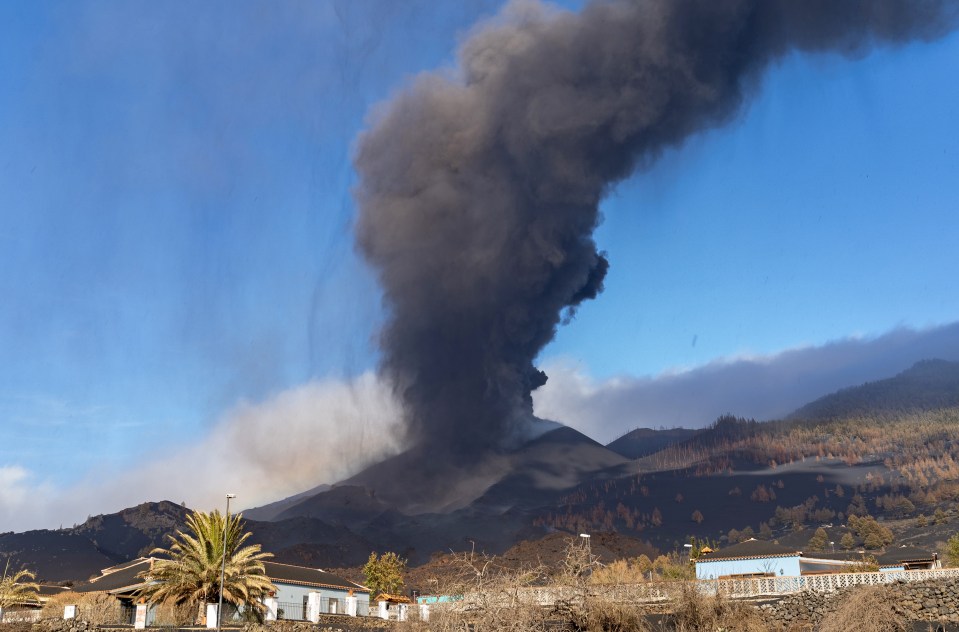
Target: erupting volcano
{"type": "Point", "coordinates": [480, 185]}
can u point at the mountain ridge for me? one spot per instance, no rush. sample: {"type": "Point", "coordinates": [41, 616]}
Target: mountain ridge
{"type": "Point", "coordinates": [735, 474]}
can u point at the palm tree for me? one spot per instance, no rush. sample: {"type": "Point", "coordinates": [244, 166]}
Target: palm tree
{"type": "Point", "coordinates": [190, 569]}
{"type": "Point", "coordinates": [17, 588]}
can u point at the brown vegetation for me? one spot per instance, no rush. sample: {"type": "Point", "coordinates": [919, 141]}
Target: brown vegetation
{"type": "Point", "coordinates": [694, 612]}
{"type": "Point", "coordinates": [866, 609]}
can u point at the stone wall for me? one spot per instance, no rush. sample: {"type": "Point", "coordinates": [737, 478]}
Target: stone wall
{"type": "Point", "coordinates": [329, 623]}
{"type": "Point", "coordinates": [917, 601]}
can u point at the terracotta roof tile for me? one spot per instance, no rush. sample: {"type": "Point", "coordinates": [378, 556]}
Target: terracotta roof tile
{"type": "Point", "coordinates": [750, 549]}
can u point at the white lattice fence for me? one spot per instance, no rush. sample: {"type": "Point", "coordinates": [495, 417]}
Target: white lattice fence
{"type": "Point", "coordinates": [651, 592]}
{"type": "Point", "coordinates": [820, 583]}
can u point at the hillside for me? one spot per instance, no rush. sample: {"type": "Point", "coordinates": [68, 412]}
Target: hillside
{"type": "Point", "coordinates": [645, 441]}
{"type": "Point", "coordinates": [105, 540]}
{"type": "Point", "coordinates": [737, 477]}
{"type": "Point", "coordinates": [927, 385]}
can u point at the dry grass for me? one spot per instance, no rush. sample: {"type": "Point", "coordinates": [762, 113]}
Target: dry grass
{"type": "Point", "coordinates": [177, 615]}
{"type": "Point", "coordinates": [53, 607]}
{"type": "Point", "coordinates": [95, 608]}
{"type": "Point", "coordinates": [498, 598]}
{"type": "Point", "coordinates": [613, 617]}
{"type": "Point", "coordinates": [694, 612]}
{"type": "Point", "coordinates": [866, 609]}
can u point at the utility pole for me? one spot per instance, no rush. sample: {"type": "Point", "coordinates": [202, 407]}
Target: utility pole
{"type": "Point", "coordinates": [226, 524]}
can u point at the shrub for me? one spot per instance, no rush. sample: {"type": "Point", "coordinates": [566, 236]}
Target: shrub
{"type": "Point", "coordinates": [865, 609]}
{"type": "Point", "coordinates": [604, 616]}
{"type": "Point", "coordinates": [694, 612]}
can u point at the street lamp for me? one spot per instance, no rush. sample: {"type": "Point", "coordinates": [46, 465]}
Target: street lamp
{"type": "Point", "coordinates": [589, 550]}
{"type": "Point", "coordinates": [226, 523]}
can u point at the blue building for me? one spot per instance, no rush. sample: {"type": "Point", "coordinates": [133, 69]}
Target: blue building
{"type": "Point", "coordinates": [752, 558]}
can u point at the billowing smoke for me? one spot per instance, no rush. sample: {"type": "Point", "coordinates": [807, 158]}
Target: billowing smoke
{"type": "Point", "coordinates": [480, 185]}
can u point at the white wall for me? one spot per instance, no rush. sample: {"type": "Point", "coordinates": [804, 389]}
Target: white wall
{"type": "Point", "coordinates": [293, 593]}
{"type": "Point", "coordinates": [780, 566]}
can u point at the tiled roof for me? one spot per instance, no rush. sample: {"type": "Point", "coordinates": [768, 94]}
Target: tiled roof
{"type": "Point", "coordinates": [302, 576]}
{"type": "Point", "coordinates": [125, 565]}
{"type": "Point", "coordinates": [895, 556]}
{"type": "Point", "coordinates": [117, 578]}
{"type": "Point", "coordinates": [48, 590]}
{"type": "Point", "coordinates": [838, 556]}
{"type": "Point", "coordinates": [124, 578]}
{"type": "Point", "coordinates": [750, 549]}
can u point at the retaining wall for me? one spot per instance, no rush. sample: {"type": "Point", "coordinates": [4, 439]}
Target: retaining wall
{"type": "Point", "coordinates": [936, 601]}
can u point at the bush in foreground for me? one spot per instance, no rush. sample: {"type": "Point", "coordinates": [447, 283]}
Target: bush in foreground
{"type": "Point", "coordinates": [865, 609]}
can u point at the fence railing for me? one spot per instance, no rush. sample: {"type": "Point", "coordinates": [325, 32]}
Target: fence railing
{"type": "Point", "coordinates": [821, 583]}
{"type": "Point", "coordinates": [291, 611]}
{"type": "Point", "coordinates": [328, 605]}
{"type": "Point", "coordinates": [19, 615]}
{"type": "Point", "coordinates": [651, 592]}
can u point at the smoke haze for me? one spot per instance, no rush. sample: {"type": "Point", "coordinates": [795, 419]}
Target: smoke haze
{"type": "Point", "coordinates": [760, 387]}
{"type": "Point", "coordinates": [318, 432]}
{"type": "Point", "coordinates": [480, 185]}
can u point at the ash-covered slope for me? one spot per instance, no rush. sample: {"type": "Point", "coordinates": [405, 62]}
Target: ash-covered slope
{"type": "Point", "coordinates": [54, 556]}
{"type": "Point", "coordinates": [102, 541]}
{"type": "Point", "coordinates": [645, 441]}
{"type": "Point", "coordinates": [927, 385]}
{"type": "Point", "coordinates": [272, 510]}
{"type": "Point", "coordinates": [418, 504]}
{"type": "Point", "coordinates": [416, 482]}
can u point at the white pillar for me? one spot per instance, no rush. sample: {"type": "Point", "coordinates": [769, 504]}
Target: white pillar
{"type": "Point", "coordinates": [211, 616]}
{"type": "Point", "coordinates": [140, 620]}
{"type": "Point", "coordinates": [70, 612]}
{"type": "Point", "coordinates": [424, 612]}
{"type": "Point", "coordinates": [271, 605]}
{"type": "Point", "coordinates": [384, 609]}
{"type": "Point", "coordinates": [313, 607]}
{"type": "Point", "coordinates": [403, 608]}
{"type": "Point", "coordinates": [351, 606]}
{"type": "Point", "coordinates": [1, 615]}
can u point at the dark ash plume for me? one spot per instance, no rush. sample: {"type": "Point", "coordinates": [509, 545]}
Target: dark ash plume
{"type": "Point", "coordinates": [480, 188]}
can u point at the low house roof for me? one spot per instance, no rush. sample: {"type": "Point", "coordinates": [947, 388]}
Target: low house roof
{"type": "Point", "coordinates": [303, 576]}
{"type": "Point", "coordinates": [393, 598]}
{"type": "Point", "coordinates": [750, 549]}
{"type": "Point", "coordinates": [49, 590]}
{"type": "Point", "coordinates": [837, 556]}
{"type": "Point", "coordinates": [902, 554]}
{"type": "Point", "coordinates": [123, 578]}
{"type": "Point", "coordinates": [117, 579]}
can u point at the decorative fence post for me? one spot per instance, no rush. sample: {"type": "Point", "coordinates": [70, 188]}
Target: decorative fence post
{"type": "Point", "coordinates": [211, 611]}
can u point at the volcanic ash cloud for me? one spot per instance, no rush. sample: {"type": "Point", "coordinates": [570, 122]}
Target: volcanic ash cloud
{"type": "Point", "coordinates": [479, 186]}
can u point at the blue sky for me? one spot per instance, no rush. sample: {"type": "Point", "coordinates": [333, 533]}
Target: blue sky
{"type": "Point", "coordinates": [175, 226]}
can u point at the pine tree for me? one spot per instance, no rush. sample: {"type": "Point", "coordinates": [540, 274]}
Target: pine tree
{"type": "Point", "coordinates": [819, 540]}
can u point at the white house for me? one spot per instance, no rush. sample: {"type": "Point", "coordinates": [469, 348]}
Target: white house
{"type": "Point", "coordinates": [302, 593]}
{"type": "Point", "coordinates": [294, 585]}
